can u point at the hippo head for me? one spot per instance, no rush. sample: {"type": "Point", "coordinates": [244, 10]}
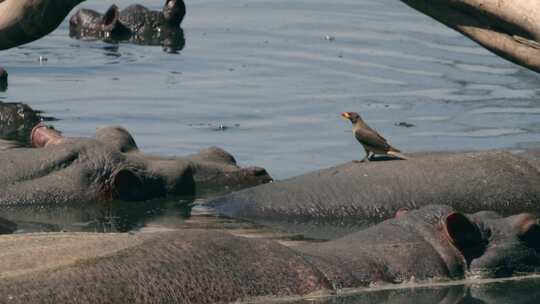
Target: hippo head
{"type": "Point", "coordinates": [482, 244]}
{"type": "Point", "coordinates": [174, 11]}
{"type": "Point", "coordinates": [513, 245]}
{"type": "Point", "coordinates": [455, 239]}
{"type": "Point", "coordinates": [86, 22]}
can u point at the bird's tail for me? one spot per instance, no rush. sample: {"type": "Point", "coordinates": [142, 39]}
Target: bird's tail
{"type": "Point", "coordinates": [397, 154]}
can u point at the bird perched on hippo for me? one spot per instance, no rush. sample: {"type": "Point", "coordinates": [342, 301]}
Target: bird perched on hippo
{"type": "Point", "coordinates": [371, 140]}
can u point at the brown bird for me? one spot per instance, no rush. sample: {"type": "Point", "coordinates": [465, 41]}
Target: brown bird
{"type": "Point", "coordinates": [372, 141]}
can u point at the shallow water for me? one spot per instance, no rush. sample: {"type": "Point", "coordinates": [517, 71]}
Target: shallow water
{"type": "Point", "coordinates": [267, 80]}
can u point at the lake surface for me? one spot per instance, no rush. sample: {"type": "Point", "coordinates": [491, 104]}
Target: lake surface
{"type": "Point", "coordinates": [267, 81]}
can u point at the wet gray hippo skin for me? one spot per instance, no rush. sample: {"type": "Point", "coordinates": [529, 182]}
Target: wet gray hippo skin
{"type": "Point", "coordinates": [136, 24]}
{"type": "Point", "coordinates": [352, 195]}
{"type": "Point", "coordinates": [75, 170]}
{"type": "Point", "coordinates": [205, 266]}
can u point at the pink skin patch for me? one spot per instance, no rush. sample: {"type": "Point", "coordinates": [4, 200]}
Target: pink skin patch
{"type": "Point", "coordinates": [42, 136]}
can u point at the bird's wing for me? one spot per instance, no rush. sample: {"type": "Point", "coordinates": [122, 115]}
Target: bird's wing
{"type": "Point", "coordinates": [371, 138]}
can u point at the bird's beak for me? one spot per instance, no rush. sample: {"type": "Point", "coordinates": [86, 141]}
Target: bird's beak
{"type": "Point", "coordinates": [346, 115]}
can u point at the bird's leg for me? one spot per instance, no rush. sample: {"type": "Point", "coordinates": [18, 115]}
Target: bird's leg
{"type": "Point", "coordinates": [366, 158]}
{"type": "Point", "coordinates": [370, 156]}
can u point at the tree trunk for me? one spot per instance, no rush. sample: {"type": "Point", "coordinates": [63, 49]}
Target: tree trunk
{"type": "Point", "coordinates": [23, 21]}
{"type": "Point", "coordinates": [508, 28]}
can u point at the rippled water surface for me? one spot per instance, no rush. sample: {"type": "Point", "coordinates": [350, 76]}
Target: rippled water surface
{"type": "Point", "coordinates": [267, 80]}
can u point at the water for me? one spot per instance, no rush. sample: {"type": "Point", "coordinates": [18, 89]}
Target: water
{"type": "Point", "coordinates": [267, 80]}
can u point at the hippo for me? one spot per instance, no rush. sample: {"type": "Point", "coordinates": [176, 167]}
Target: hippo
{"type": "Point", "coordinates": [136, 24]}
{"type": "Point", "coordinates": [434, 243]}
{"type": "Point", "coordinates": [60, 170]}
{"type": "Point", "coordinates": [338, 200]}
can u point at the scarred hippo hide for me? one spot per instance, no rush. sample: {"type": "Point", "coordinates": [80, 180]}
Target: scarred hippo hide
{"type": "Point", "coordinates": [354, 195]}
{"type": "Point", "coordinates": [208, 266]}
{"type": "Point", "coordinates": [63, 170]}
{"type": "Point", "coordinates": [136, 24]}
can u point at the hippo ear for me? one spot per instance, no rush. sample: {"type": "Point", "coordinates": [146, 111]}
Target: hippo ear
{"type": "Point", "coordinates": [463, 234]}
{"type": "Point", "coordinates": [127, 186]}
{"type": "Point", "coordinates": [110, 19]}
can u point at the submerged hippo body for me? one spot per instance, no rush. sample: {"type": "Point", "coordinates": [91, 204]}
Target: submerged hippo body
{"type": "Point", "coordinates": [197, 266]}
{"type": "Point", "coordinates": [69, 170]}
{"type": "Point", "coordinates": [355, 194]}
{"type": "Point", "coordinates": [136, 24]}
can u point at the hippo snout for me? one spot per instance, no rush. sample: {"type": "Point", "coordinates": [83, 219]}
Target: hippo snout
{"type": "Point", "coordinates": [43, 136]}
{"type": "Point", "coordinates": [513, 248]}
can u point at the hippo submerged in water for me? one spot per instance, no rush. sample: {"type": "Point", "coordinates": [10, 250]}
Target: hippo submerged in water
{"type": "Point", "coordinates": [136, 24]}
{"type": "Point", "coordinates": [67, 170]}
{"type": "Point", "coordinates": [353, 195]}
{"type": "Point", "coordinates": [205, 266]}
